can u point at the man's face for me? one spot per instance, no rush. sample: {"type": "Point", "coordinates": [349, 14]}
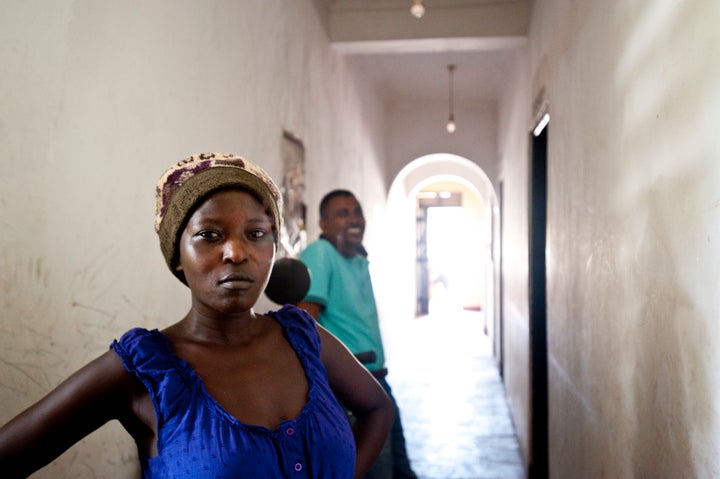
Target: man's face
{"type": "Point", "coordinates": [343, 224]}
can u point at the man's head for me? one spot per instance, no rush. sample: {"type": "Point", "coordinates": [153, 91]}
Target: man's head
{"type": "Point", "coordinates": [342, 221]}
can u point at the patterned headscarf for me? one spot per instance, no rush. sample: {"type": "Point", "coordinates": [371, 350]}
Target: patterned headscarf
{"type": "Point", "coordinates": [186, 184]}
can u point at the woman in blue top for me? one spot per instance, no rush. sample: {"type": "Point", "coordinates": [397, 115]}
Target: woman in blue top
{"type": "Point", "coordinates": [225, 392]}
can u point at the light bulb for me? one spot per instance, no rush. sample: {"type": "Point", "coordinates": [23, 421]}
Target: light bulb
{"type": "Point", "coordinates": [418, 9]}
{"type": "Point", "coordinates": [450, 125]}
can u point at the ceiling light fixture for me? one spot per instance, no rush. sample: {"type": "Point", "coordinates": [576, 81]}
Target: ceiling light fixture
{"type": "Point", "coordinates": [450, 127]}
{"type": "Point", "coordinates": [418, 9]}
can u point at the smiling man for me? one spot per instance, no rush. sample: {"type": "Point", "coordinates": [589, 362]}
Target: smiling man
{"type": "Point", "coordinates": [341, 299]}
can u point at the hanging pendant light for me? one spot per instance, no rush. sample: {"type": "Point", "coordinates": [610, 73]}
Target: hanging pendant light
{"type": "Point", "coordinates": [450, 127]}
{"type": "Point", "coordinates": [418, 9]}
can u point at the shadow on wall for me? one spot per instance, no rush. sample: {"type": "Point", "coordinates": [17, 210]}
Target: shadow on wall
{"type": "Point", "coordinates": [674, 362]}
{"type": "Point", "coordinates": [672, 403]}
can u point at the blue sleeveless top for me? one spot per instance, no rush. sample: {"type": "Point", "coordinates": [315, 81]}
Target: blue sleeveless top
{"type": "Point", "coordinates": [199, 439]}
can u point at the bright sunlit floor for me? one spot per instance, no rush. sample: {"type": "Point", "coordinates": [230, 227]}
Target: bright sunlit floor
{"type": "Point", "coordinates": [452, 402]}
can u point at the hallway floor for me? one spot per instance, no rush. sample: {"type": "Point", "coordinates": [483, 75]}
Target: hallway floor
{"type": "Point", "coordinates": [452, 402]}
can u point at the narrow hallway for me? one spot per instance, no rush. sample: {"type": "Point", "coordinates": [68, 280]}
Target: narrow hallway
{"type": "Point", "coordinates": [453, 406]}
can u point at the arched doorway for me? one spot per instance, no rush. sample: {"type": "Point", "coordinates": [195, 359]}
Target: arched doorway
{"type": "Point", "coordinates": [443, 366]}
{"type": "Point", "coordinates": [397, 285]}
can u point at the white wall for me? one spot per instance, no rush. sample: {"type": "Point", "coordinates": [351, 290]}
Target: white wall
{"type": "Point", "coordinates": [418, 129]}
{"type": "Point", "coordinates": [633, 235]}
{"type": "Point", "coordinates": [98, 98]}
{"type": "Point", "coordinates": [513, 134]}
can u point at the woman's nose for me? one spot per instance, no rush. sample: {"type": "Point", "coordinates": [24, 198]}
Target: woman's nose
{"type": "Point", "coordinates": [234, 250]}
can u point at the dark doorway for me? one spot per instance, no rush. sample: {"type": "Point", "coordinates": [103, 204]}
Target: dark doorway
{"type": "Point", "coordinates": [422, 304]}
{"type": "Point", "coordinates": [539, 467]}
{"type": "Point", "coordinates": [499, 349]}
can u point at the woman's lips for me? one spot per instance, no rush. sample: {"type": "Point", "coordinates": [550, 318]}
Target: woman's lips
{"type": "Point", "coordinates": [236, 280]}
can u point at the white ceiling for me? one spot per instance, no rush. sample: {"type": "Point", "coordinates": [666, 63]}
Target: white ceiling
{"type": "Point", "coordinates": [407, 58]}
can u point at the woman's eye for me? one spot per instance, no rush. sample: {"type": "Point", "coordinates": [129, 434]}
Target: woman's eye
{"type": "Point", "coordinates": [258, 234]}
{"type": "Point", "coordinates": [208, 234]}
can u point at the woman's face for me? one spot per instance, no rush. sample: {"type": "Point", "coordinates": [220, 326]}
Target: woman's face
{"type": "Point", "coordinates": [227, 251]}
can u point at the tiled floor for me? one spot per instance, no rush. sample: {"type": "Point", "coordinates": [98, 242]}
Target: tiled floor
{"type": "Point", "coordinates": [443, 375]}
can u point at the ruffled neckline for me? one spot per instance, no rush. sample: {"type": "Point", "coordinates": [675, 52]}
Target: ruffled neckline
{"type": "Point", "coordinates": [192, 377]}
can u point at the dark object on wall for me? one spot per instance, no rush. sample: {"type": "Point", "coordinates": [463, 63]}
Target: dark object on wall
{"type": "Point", "coordinates": [289, 281]}
{"type": "Point", "coordinates": [293, 237]}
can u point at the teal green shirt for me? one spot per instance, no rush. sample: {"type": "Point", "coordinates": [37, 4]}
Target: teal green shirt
{"type": "Point", "coordinates": [344, 289]}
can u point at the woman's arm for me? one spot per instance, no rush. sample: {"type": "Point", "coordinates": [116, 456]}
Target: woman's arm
{"type": "Point", "coordinates": [313, 309]}
{"type": "Point", "coordinates": [100, 391]}
{"type": "Point", "coordinates": [358, 390]}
